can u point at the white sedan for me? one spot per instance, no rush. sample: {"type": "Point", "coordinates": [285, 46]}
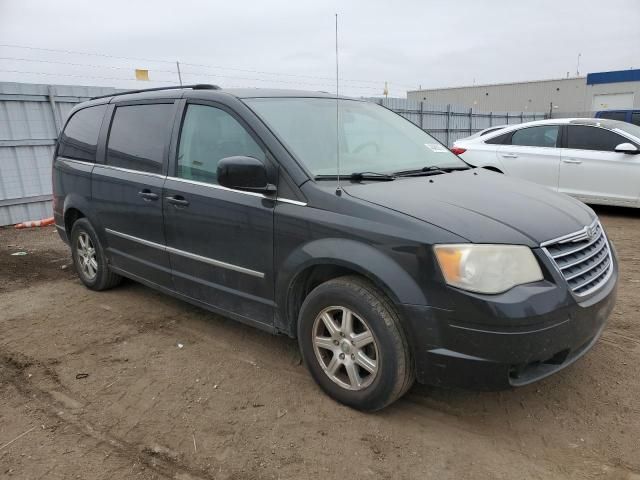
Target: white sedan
{"type": "Point", "coordinates": [592, 159]}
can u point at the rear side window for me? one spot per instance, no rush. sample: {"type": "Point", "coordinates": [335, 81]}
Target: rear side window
{"type": "Point", "coordinates": [79, 140]}
{"type": "Point", "coordinates": [614, 115]}
{"type": "Point", "coordinates": [542, 136]}
{"type": "Point", "coordinates": [139, 135]}
{"type": "Point", "coordinates": [593, 138]}
{"type": "Point", "coordinates": [210, 134]}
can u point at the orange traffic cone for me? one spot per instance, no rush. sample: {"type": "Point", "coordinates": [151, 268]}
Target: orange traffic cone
{"type": "Point", "coordinates": [36, 223]}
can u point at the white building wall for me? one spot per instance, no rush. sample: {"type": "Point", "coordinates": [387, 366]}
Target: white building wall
{"type": "Point", "coordinates": [562, 95]}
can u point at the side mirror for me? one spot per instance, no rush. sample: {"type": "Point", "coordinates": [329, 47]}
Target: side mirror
{"type": "Point", "coordinates": [244, 173]}
{"type": "Point", "coordinates": [627, 147]}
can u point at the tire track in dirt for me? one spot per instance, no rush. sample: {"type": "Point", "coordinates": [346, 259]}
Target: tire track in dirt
{"type": "Point", "coordinates": [56, 402]}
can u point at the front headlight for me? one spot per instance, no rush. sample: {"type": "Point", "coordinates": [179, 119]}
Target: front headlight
{"type": "Point", "coordinates": [487, 268]}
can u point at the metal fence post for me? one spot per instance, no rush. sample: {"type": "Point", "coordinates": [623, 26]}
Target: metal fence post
{"type": "Point", "coordinates": [448, 130]}
{"type": "Point", "coordinates": [422, 115]}
{"type": "Point", "coordinates": [471, 121]}
{"type": "Point", "coordinates": [507, 122]}
{"type": "Point", "coordinates": [491, 119]}
{"type": "Point", "coordinates": [521, 117]}
{"type": "Point", "coordinates": [54, 111]}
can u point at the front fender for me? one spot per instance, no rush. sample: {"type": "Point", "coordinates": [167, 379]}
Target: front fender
{"type": "Point", "coordinates": [381, 269]}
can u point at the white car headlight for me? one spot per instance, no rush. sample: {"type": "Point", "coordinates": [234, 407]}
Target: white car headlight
{"type": "Point", "coordinates": [487, 268]}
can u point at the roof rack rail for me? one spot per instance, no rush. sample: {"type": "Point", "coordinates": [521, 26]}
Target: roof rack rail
{"type": "Point", "coordinates": [198, 86]}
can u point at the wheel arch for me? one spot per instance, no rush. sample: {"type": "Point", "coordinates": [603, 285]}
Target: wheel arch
{"type": "Point", "coordinates": [322, 260]}
{"type": "Point", "coordinates": [75, 207]}
{"type": "Point", "coordinates": [71, 215]}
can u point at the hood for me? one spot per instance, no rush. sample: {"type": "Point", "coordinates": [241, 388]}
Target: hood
{"type": "Point", "coordinates": [481, 206]}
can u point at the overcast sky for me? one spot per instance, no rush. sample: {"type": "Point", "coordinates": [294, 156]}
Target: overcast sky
{"type": "Point", "coordinates": [290, 44]}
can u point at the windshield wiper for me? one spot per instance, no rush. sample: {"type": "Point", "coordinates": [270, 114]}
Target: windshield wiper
{"type": "Point", "coordinates": [371, 176]}
{"type": "Point", "coordinates": [430, 170]}
{"type": "Point", "coordinates": [358, 176]}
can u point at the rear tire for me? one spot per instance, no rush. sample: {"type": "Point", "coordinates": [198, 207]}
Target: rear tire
{"type": "Point", "coordinates": [89, 259]}
{"type": "Point", "coordinates": [352, 342]}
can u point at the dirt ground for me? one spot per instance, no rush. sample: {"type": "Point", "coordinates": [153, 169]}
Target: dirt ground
{"type": "Point", "coordinates": [130, 383]}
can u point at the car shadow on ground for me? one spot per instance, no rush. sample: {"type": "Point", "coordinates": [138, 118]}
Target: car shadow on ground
{"type": "Point", "coordinates": [611, 211]}
{"type": "Point", "coordinates": [471, 409]}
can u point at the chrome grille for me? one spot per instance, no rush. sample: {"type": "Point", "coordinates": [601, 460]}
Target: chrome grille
{"type": "Point", "coordinates": [583, 258]}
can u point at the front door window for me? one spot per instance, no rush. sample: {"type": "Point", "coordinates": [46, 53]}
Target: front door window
{"type": "Point", "coordinates": [210, 134]}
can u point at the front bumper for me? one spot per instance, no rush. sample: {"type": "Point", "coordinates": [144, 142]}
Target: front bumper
{"type": "Point", "coordinates": [528, 334]}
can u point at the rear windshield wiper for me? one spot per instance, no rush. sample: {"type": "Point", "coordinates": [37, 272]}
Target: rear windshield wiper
{"type": "Point", "coordinates": [358, 176]}
{"type": "Point", "coordinates": [430, 170]}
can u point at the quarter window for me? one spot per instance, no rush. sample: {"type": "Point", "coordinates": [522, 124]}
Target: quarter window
{"type": "Point", "coordinates": [500, 139]}
{"type": "Point", "coordinates": [593, 138]}
{"type": "Point", "coordinates": [139, 135]}
{"type": "Point", "coordinates": [80, 137]}
{"type": "Point", "coordinates": [542, 136]}
{"type": "Point", "coordinates": [210, 134]}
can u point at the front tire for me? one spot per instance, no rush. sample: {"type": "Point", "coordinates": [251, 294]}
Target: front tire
{"type": "Point", "coordinates": [89, 258]}
{"type": "Point", "coordinates": [353, 344]}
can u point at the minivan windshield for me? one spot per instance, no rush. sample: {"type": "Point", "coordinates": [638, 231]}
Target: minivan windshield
{"type": "Point", "coordinates": [370, 137]}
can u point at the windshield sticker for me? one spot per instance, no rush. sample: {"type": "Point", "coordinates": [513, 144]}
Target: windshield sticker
{"type": "Point", "coordinates": [436, 147]}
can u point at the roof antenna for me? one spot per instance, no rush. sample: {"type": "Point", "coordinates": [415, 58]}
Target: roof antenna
{"type": "Point", "coordinates": [338, 188]}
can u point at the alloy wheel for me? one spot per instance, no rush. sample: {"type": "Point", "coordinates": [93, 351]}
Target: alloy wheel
{"type": "Point", "coordinates": [86, 256]}
{"type": "Point", "coordinates": [345, 348]}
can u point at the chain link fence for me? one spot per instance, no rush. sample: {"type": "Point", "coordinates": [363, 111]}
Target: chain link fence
{"type": "Point", "coordinates": [449, 123]}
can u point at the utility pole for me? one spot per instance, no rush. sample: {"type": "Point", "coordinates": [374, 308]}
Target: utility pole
{"type": "Point", "coordinates": [578, 66]}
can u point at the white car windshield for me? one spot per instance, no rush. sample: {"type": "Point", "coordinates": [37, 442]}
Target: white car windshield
{"type": "Point", "coordinates": [370, 137]}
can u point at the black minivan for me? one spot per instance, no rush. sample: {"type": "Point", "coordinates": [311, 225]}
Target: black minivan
{"type": "Point", "coordinates": [339, 223]}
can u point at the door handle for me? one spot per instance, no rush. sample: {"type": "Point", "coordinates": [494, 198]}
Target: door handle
{"type": "Point", "coordinates": [148, 194]}
{"type": "Point", "coordinates": [571, 160]}
{"type": "Point", "coordinates": [178, 201]}
{"type": "Point", "coordinates": [509, 155]}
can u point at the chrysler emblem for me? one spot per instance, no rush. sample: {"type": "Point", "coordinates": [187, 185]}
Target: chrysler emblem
{"type": "Point", "coordinates": [591, 232]}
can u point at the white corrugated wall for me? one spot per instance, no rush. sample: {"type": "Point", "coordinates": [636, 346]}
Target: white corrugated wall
{"type": "Point", "coordinates": [30, 117]}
